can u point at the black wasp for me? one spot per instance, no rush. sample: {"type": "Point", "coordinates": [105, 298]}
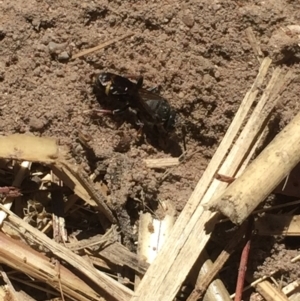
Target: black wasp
{"type": "Point", "coordinates": [151, 108]}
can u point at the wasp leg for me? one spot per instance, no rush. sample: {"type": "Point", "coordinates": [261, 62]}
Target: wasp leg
{"type": "Point", "coordinates": [140, 124]}
{"type": "Point", "coordinates": [139, 82]}
{"type": "Point", "coordinates": [154, 90]}
{"type": "Point", "coordinates": [112, 112]}
{"type": "Point", "coordinates": [183, 129]}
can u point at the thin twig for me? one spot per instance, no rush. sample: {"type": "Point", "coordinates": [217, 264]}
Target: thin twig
{"type": "Point", "coordinates": [243, 262]}
{"type": "Point", "coordinates": [254, 44]}
{"type": "Point", "coordinates": [101, 46]}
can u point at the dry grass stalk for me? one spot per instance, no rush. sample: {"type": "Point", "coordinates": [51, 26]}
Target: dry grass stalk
{"type": "Point", "coordinates": [254, 283]}
{"type": "Point", "coordinates": [296, 258]}
{"type": "Point", "coordinates": [101, 46]}
{"type": "Point", "coordinates": [295, 297]}
{"type": "Point", "coordinates": [46, 150]}
{"type": "Point", "coordinates": [96, 242]}
{"type": "Point", "coordinates": [114, 254]}
{"type": "Point", "coordinates": [83, 187]}
{"type": "Point", "coordinates": [277, 159]}
{"type": "Point", "coordinates": [194, 225]}
{"type": "Point", "coordinates": [204, 280]}
{"type": "Point", "coordinates": [249, 134]}
{"type": "Point", "coordinates": [88, 186]}
{"type": "Point", "coordinates": [27, 260]}
{"type": "Point", "coordinates": [270, 292]}
{"type": "Point", "coordinates": [121, 256]}
{"type": "Point", "coordinates": [70, 178]}
{"type": "Point", "coordinates": [292, 288]}
{"type": "Point", "coordinates": [252, 151]}
{"type": "Point", "coordinates": [254, 44]}
{"type": "Point", "coordinates": [104, 283]}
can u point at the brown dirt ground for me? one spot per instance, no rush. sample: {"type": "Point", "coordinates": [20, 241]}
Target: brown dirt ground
{"type": "Point", "coordinates": [195, 51]}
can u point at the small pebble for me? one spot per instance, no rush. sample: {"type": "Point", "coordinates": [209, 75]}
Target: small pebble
{"type": "Point", "coordinates": [181, 95]}
{"type": "Point", "coordinates": [73, 77]}
{"type": "Point", "coordinates": [41, 47]}
{"type": "Point", "coordinates": [217, 74]}
{"type": "Point", "coordinates": [36, 124]}
{"type": "Point", "coordinates": [188, 20]}
{"type": "Point", "coordinates": [55, 48]}
{"type": "Point", "coordinates": [63, 56]}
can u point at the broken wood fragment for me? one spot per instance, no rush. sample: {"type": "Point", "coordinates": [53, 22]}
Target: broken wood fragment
{"type": "Point", "coordinates": [30, 148]}
{"type": "Point", "coordinates": [25, 259]}
{"type": "Point", "coordinates": [162, 162]}
{"type": "Point", "coordinates": [261, 176]}
{"type": "Point", "coordinates": [104, 283]}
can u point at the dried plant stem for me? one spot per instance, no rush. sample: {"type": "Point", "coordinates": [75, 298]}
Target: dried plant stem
{"type": "Point", "coordinates": [254, 44]}
{"type": "Point", "coordinates": [270, 167]}
{"type": "Point", "coordinates": [101, 46]}
{"type": "Point", "coordinates": [104, 283]}
{"type": "Point", "coordinates": [244, 262]}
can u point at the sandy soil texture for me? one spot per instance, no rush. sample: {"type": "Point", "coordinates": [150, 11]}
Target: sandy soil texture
{"type": "Point", "coordinates": [195, 52]}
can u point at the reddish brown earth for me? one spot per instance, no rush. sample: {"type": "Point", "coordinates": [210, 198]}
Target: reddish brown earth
{"type": "Point", "coordinates": [195, 51]}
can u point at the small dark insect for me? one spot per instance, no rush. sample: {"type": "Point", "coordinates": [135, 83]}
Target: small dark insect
{"type": "Point", "coordinates": [151, 108]}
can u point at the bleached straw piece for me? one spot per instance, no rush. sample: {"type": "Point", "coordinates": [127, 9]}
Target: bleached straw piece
{"type": "Point", "coordinates": [291, 288]}
{"type": "Point", "coordinates": [243, 144]}
{"type": "Point", "coordinates": [152, 236]}
{"type": "Point", "coordinates": [270, 292]}
{"type": "Point", "coordinates": [113, 289]}
{"type": "Point", "coordinates": [161, 162]}
{"type": "Point", "coordinates": [262, 176]}
{"type": "Point", "coordinates": [254, 44]}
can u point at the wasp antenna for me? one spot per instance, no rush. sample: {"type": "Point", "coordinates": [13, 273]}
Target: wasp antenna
{"type": "Point", "coordinates": [140, 81]}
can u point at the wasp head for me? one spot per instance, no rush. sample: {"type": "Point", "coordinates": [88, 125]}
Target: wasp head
{"type": "Point", "coordinates": [115, 85]}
